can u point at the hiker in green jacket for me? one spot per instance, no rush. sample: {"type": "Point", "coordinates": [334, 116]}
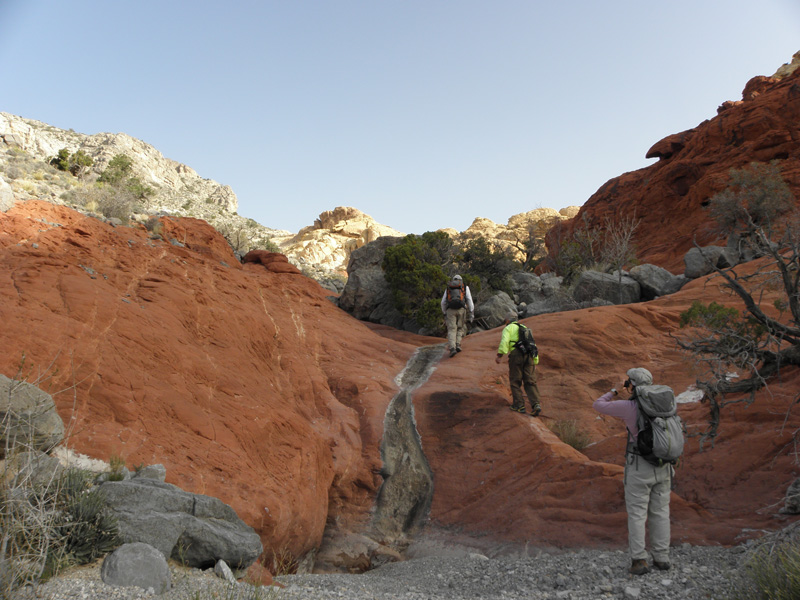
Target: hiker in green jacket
{"type": "Point", "coordinates": [521, 368]}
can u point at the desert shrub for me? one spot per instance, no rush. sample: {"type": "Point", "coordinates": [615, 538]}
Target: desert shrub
{"type": "Point", "coordinates": [771, 573]}
{"type": "Point", "coordinates": [485, 265]}
{"type": "Point", "coordinates": [14, 172]}
{"type": "Point", "coordinates": [569, 432]}
{"type": "Point", "coordinates": [119, 174]}
{"type": "Point", "coordinates": [755, 198]}
{"type": "Point", "coordinates": [416, 276]}
{"type": "Point", "coordinates": [88, 529]}
{"type": "Point", "coordinates": [76, 163]}
{"type": "Point", "coordinates": [116, 471]}
{"type": "Point", "coordinates": [758, 211]}
{"type": "Point", "coordinates": [109, 201]}
{"type": "Point", "coordinates": [117, 170]}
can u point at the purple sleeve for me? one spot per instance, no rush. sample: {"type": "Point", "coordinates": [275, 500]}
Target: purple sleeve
{"type": "Point", "coordinates": [622, 409]}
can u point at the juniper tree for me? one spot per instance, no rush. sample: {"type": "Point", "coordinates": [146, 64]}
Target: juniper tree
{"type": "Point", "coordinates": [759, 213]}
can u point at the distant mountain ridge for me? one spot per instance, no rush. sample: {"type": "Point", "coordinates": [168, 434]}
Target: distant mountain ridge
{"type": "Point", "coordinates": [321, 249]}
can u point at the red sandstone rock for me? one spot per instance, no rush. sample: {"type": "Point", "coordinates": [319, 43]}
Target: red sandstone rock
{"type": "Point", "coordinates": [506, 475]}
{"type": "Point", "coordinates": [273, 261]}
{"type": "Point", "coordinates": [248, 385]}
{"type": "Point", "coordinates": [251, 386]}
{"type": "Point", "coordinates": [669, 197]}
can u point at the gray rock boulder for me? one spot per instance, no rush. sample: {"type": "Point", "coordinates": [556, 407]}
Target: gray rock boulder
{"type": "Point", "coordinates": [701, 261]}
{"type": "Point", "coordinates": [36, 468]}
{"type": "Point", "coordinates": [157, 472]}
{"type": "Point", "coordinates": [656, 281]}
{"type": "Point", "coordinates": [551, 284]}
{"type": "Point", "coordinates": [527, 287]}
{"type": "Point", "coordinates": [592, 285]}
{"type": "Point", "coordinates": [194, 529]}
{"type": "Point", "coordinates": [29, 416]}
{"type": "Point", "coordinates": [492, 312]}
{"type": "Point", "coordinates": [366, 288]}
{"type": "Point", "coordinates": [136, 564]}
{"type": "Point", "coordinates": [6, 196]}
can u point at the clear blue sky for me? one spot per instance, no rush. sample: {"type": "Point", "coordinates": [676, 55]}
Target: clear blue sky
{"type": "Point", "coordinates": [422, 113]}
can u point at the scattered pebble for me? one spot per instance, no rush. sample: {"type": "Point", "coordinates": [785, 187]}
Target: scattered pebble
{"type": "Point", "coordinates": [705, 572]}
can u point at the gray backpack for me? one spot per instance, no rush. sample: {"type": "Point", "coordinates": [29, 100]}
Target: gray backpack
{"type": "Point", "coordinates": [660, 438]}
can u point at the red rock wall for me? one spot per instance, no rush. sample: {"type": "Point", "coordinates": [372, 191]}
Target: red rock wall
{"type": "Point", "coordinates": [251, 386]}
{"type": "Point", "coordinates": [669, 196]}
{"type": "Point", "coordinates": [505, 475]}
{"type": "Point", "coordinates": [247, 384]}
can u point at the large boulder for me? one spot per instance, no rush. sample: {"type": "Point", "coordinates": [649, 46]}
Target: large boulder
{"type": "Point", "coordinates": [492, 312]}
{"type": "Point", "coordinates": [29, 417]}
{"type": "Point", "coordinates": [656, 282]}
{"type": "Point", "coordinates": [366, 295]}
{"type": "Point", "coordinates": [593, 285]}
{"type": "Point", "coordinates": [136, 564]}
{"type": "Point", "coordinates": [527, 287]}
{"type": "Point", "coordinates": [537, 295]}
{"type": "Point", "coordinates": [195, 529]}
{"type": "Point", "coordinates": [701, 261]}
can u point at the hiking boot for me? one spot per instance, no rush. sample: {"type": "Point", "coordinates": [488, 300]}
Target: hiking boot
{"type": "Point", "coordinates": [639, 567]}
{"type": "Point", "coordinates": [453, 352]}
{"type": "Point", "coordinates": [536, 411]}
{"type": "Point", "coordinates": [518, 409]}
{"type": "Point", "coordinates": [662, 566]}
{"type": "Point", "coordinates": [458, 348]}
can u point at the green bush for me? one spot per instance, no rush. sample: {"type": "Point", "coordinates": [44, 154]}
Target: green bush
{"type": "Point", "coordinates": [485, 265]}
{"type": "Point", "coordinates": [76, 163]}
{"type": "Point", "coordinates": [415, 274]}
{"type": "Point", "coordinates": [117, 170]}
{"type": "Point", "coordinates": [118, 174]}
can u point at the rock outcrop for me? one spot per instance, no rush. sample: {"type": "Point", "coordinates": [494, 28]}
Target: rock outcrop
{"type": "Point", "coordinates": [173, 182]}
{"type": "Point", "coordinates": [326, 245]}
{"type": "Point", "coordinates": [517, 231]}
{"type": "Point", "coordinates": [27, 146]}
{"type": "Point", "coordinates": [194, 529]}
{"type": "Point", "coordinates": [250, 386]}
{"type": "Point", "coordinates": [670, 196]}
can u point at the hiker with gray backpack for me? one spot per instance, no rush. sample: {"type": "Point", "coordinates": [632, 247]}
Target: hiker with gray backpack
{"type": "Point", "coordinates": [655, 443]}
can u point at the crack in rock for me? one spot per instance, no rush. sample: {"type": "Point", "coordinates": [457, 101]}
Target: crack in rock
{"type": "Point", "coordinates": [405, 497]}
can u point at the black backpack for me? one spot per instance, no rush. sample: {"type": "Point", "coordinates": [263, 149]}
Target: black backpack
{"type": "Point", "coordinates": [526, 343]}
{"type": "Point", "coordinates": [456, 294]}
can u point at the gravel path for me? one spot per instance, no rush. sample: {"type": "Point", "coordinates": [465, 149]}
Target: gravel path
{"type": "Point", "coordinates": [698, 572]}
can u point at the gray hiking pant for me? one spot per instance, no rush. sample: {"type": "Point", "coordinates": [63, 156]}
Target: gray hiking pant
{"type": "Point", "coordinates": [522, 374]}
{"type": "Point", "coordinates": [455, 319]}
{"type": "Point", "coordinates": [647, 491]}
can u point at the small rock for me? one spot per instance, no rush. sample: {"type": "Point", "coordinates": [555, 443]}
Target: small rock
{"type": "Point", "coordinates": [632, 592]}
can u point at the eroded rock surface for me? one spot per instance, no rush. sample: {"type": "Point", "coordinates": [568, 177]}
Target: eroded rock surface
{"type": "Point", "coordinates": [670, 197]}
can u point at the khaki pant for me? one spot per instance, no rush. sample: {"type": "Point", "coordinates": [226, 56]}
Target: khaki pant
{"type": "Point", "coordinates": [522, 373]}
{"type": "Point", "coordinates": [455, 319]}
{"type": "Point", "coordinates": [647, 491]}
